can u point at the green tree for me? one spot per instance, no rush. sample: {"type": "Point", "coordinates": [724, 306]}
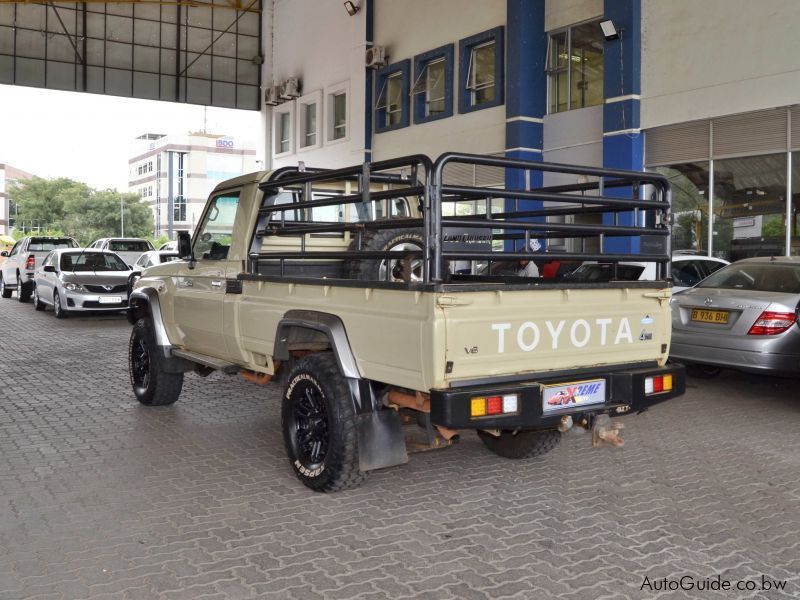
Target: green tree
{"type": "Point", "coordinates": [76, 209]}
{"type": "Point", "coordinates": [88, 218]}
{"type": "Point", "coordinates": [40, 202]}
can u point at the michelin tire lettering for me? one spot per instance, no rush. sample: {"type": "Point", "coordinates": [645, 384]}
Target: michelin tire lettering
{"type": "Point", "coordinates": [529, 335]}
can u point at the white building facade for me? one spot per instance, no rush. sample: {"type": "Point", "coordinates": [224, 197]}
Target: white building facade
{"type": "Point", "coordinates": [176, 174]}
{"type": "Point", "coordinates": [8, 176]}
{"type": "Point", "coordinates": [705, 93]}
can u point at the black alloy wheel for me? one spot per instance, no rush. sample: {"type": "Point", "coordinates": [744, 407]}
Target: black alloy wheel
{"type": "Point", "coordinates": [153, 383]}
{"type": "Point", "coordinates": [318, 422]}
{"type": "Point", "coordinates": [140, 365]}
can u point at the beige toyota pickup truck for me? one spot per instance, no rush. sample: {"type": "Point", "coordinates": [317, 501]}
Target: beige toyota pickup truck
{"type": "Point", "coordinates": [393, 304]}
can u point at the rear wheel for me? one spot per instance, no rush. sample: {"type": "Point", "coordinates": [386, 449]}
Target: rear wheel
{"type": "Point", "coordinates": [57, 308]}
{"type": "Point", "coordinates": [522, 444]}
{"type": "Point", "coordinates": [22, 295]}
{"type": "Point", "coordinates": [4, 291]}
{"type": "Point", "coordinates": [37, 302]}
{"type": "Point", "coordinates": [152, 384]}
{"type": "Point", "coordinates": [699, 371]}
{"type": "Point", "coordinates": [318, 422]}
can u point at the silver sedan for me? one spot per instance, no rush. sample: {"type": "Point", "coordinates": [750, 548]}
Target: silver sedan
{"type": "Point", "coordinates": [81, 280]}
{"type": "Point", "coordinates": [744, 316]}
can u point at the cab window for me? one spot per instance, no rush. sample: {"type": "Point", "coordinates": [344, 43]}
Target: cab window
{"type": "Point", "coordinates": [215, 232]}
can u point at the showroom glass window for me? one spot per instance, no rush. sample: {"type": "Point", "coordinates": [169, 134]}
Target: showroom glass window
{"type": "Point", "coordinates": [575, 67]}
{"type": "Point", "coordinates": [689, 205]}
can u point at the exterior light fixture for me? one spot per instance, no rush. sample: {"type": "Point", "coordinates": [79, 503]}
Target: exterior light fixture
{"type": "Point", "coordinates": [610, 32]}
{"type": "Point", "coordinates": [351, 8]}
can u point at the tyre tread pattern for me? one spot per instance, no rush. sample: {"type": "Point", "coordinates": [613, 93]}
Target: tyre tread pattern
{"type": "Point", "coordinates": [525, 444]}
{"type": "Point", "coordinates": [165, 388]}
{"type": "Point", "coordinates": [377, 240]}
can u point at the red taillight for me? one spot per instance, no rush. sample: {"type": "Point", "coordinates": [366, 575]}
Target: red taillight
{"type": "Point", "coordinates": [494, 405]}
{"type": "Point", "coordinates": [771, 323]}
{"type": "Point", "coordinates": [30, 264]}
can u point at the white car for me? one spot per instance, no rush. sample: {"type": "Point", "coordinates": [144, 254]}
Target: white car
{"type": "Point", "coordinates": [129, 249]}
{"type": "Point", "coordinates": [154, 257]}
{"type": "Point", "coordinates": [687, 270]}
{"type": "Point", "coordinates": [171, 246]}
{"type": "Point", "coordinates": [17, 272]}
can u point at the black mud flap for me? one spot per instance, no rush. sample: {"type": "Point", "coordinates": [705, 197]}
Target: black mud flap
{"type": "Point", "coordinates": [381, 442]}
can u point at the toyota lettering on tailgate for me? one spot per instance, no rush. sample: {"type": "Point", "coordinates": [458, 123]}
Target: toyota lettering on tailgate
{"type": "Point", "coordinates": [530, 336]}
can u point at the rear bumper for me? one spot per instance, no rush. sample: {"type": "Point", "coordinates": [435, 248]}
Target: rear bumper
{"type": "Point", "coordinates": [624, 393]}
{"type": "Point", "coordinates": [743, 360]}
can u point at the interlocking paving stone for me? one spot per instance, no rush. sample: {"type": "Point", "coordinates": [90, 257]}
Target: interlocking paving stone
{"type": "Point", "coordinates": [103, 498]}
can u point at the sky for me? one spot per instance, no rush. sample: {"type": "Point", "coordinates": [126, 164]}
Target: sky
{"type": "Point", "coordinates": [88, 137]}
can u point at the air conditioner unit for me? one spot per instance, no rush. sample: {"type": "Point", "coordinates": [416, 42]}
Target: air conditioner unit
{"type": "Point", "coordinates": [272, 95]}
{"type": "Point", "coordinates": [290, 88]}
{"type": "Point", "coordinates": [375, 57]}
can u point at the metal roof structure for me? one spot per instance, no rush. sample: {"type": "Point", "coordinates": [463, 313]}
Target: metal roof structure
{"type": "Point", "coordinates": [197, 51]}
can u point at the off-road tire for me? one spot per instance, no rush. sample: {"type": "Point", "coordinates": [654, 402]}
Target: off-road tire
{"type": "Point", "coordinates": [381, 240]}
{"type": "Point", "coordinates": [152, 384]}
{"type": "Point", "coordinates": [317, 409]}
{"type": "Point", "coordinates": [37, 302]}
{"type": "Point", "coordinates": [699, 371]}
{"type": "Point", "coordinates": [60, 311]}
{"type": "Point", "coordinates": [4, 291]}
{"type": "Point", "coordinates": [22, 295]}
{"type": "Point", "coordinates": [523, 444]}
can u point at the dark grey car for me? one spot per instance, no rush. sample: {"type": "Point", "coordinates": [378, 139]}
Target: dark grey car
{"type": "Point", "coordinates": [744, 316]}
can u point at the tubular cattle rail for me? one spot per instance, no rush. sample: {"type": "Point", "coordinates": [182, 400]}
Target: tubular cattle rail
{"type": "Point", "coordinates": [321, 217]}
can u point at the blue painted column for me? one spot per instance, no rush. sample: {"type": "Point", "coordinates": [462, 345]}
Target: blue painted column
{"type": "Point", "coordinates": [526, 91]}
{"type": "Point", "coordinates": [369, 7]}
{"type": "Point", "coordinates": [623, 143]}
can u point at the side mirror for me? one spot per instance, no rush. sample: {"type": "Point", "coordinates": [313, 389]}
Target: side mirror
{"type": "Point", "coordinates": [49, 269]}
{"type": "Point", "coordinates": [185, 246]}
{"type": "Point", "coordinates": [4, 253]}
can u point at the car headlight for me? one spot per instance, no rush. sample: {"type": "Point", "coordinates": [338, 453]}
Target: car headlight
{"type": "Point", "coordinates": [74, 287]}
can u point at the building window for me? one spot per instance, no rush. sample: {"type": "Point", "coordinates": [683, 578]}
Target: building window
{"type": "Point", "coordinates": [283, 132]}
{"type": "Point", "coordinates": [575, 67]}
{"type": "Point", "coordinates": [392, 106]}
{"type": "Point", "coordinates": [433, 85]}
{"type": "Point", "coordinates": [179, 209]}
{"type": "Point", "coordinates": [480, 70]}
{"type": "Point", "coordinates": [309, 124]}
{"type": "Point", "coordinates": [339, 116]}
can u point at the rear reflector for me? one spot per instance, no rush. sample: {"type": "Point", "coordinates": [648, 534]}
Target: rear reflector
{"type": "Point", "coordinates": [658, 384]}
{"type": "Point", "coordinates": [772, 323]}
{"type": "Point", "coordinates": [491, 406]}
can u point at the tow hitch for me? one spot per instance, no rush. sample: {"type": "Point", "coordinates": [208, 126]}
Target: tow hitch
{"type": "Point", "coordinates": [604, 430]}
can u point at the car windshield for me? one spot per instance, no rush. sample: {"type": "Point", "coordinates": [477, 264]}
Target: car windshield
{"type": "Point", "coordinates": [604, 272]}
{"type": "Point", "coordinates": [168, 258]}
{"type": "Point", "coordinates": [760, 277]}
{"type": "Point", "coordinates": [48, 244]}
{"type": "Point", "coordinates": [129, 246]}
{"type": "Point", "coordinates": [91, 261]}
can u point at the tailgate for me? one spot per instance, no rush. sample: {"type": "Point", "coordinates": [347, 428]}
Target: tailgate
{"type": "Point", "coordinates": [499, 333]}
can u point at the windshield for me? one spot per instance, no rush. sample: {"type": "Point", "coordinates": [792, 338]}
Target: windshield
{"type": "Point", "coordinates": [91, 261]}
{"type": "Point", "coordinates": [129, 246]}
{"type": "Point", "coordinates": [761, 277]}
{"type": "Point", "coordinates": [48, 244]}
{"type": "Point", "coordinates": [168, 258]}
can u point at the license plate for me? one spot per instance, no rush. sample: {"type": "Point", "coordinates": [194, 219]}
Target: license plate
{"type": "Point", "coordinates": [710, 316]}
{"type": "Point", "coordinates": [110, 300]}
{"type": "Point", "coordinates": [565, 396]}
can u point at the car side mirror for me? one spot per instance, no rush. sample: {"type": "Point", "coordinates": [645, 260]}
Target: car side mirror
{"type": "Point", "coordinates": [185, 246]}
{"type": "Point", "coordinates": [49, 269]}
{"type": "Point", "coordinates": [4, 253]}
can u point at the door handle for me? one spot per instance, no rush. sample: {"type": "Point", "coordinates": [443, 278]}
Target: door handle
{"type": "Point", "coordinates": [186, 283]}
{"type": "Point", "coordinates": [216, 284]}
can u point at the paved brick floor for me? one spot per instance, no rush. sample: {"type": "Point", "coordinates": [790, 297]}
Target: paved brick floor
{"type": "Point", "coordinates": [103, 498]}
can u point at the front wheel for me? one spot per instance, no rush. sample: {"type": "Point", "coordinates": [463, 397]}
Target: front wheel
{"type": "Point", "coordinates": [37, 302]}
{"type": "Point", "coordinates": [318, 422]}
{"type": "Point", "coordinates": [57, 308]}
{"type": "Point", "coordinates": [152, 384]}
{"type": "Point", "coordinates": [4, 291]}
{"type": "Point", "coordinates": [521, 444]}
